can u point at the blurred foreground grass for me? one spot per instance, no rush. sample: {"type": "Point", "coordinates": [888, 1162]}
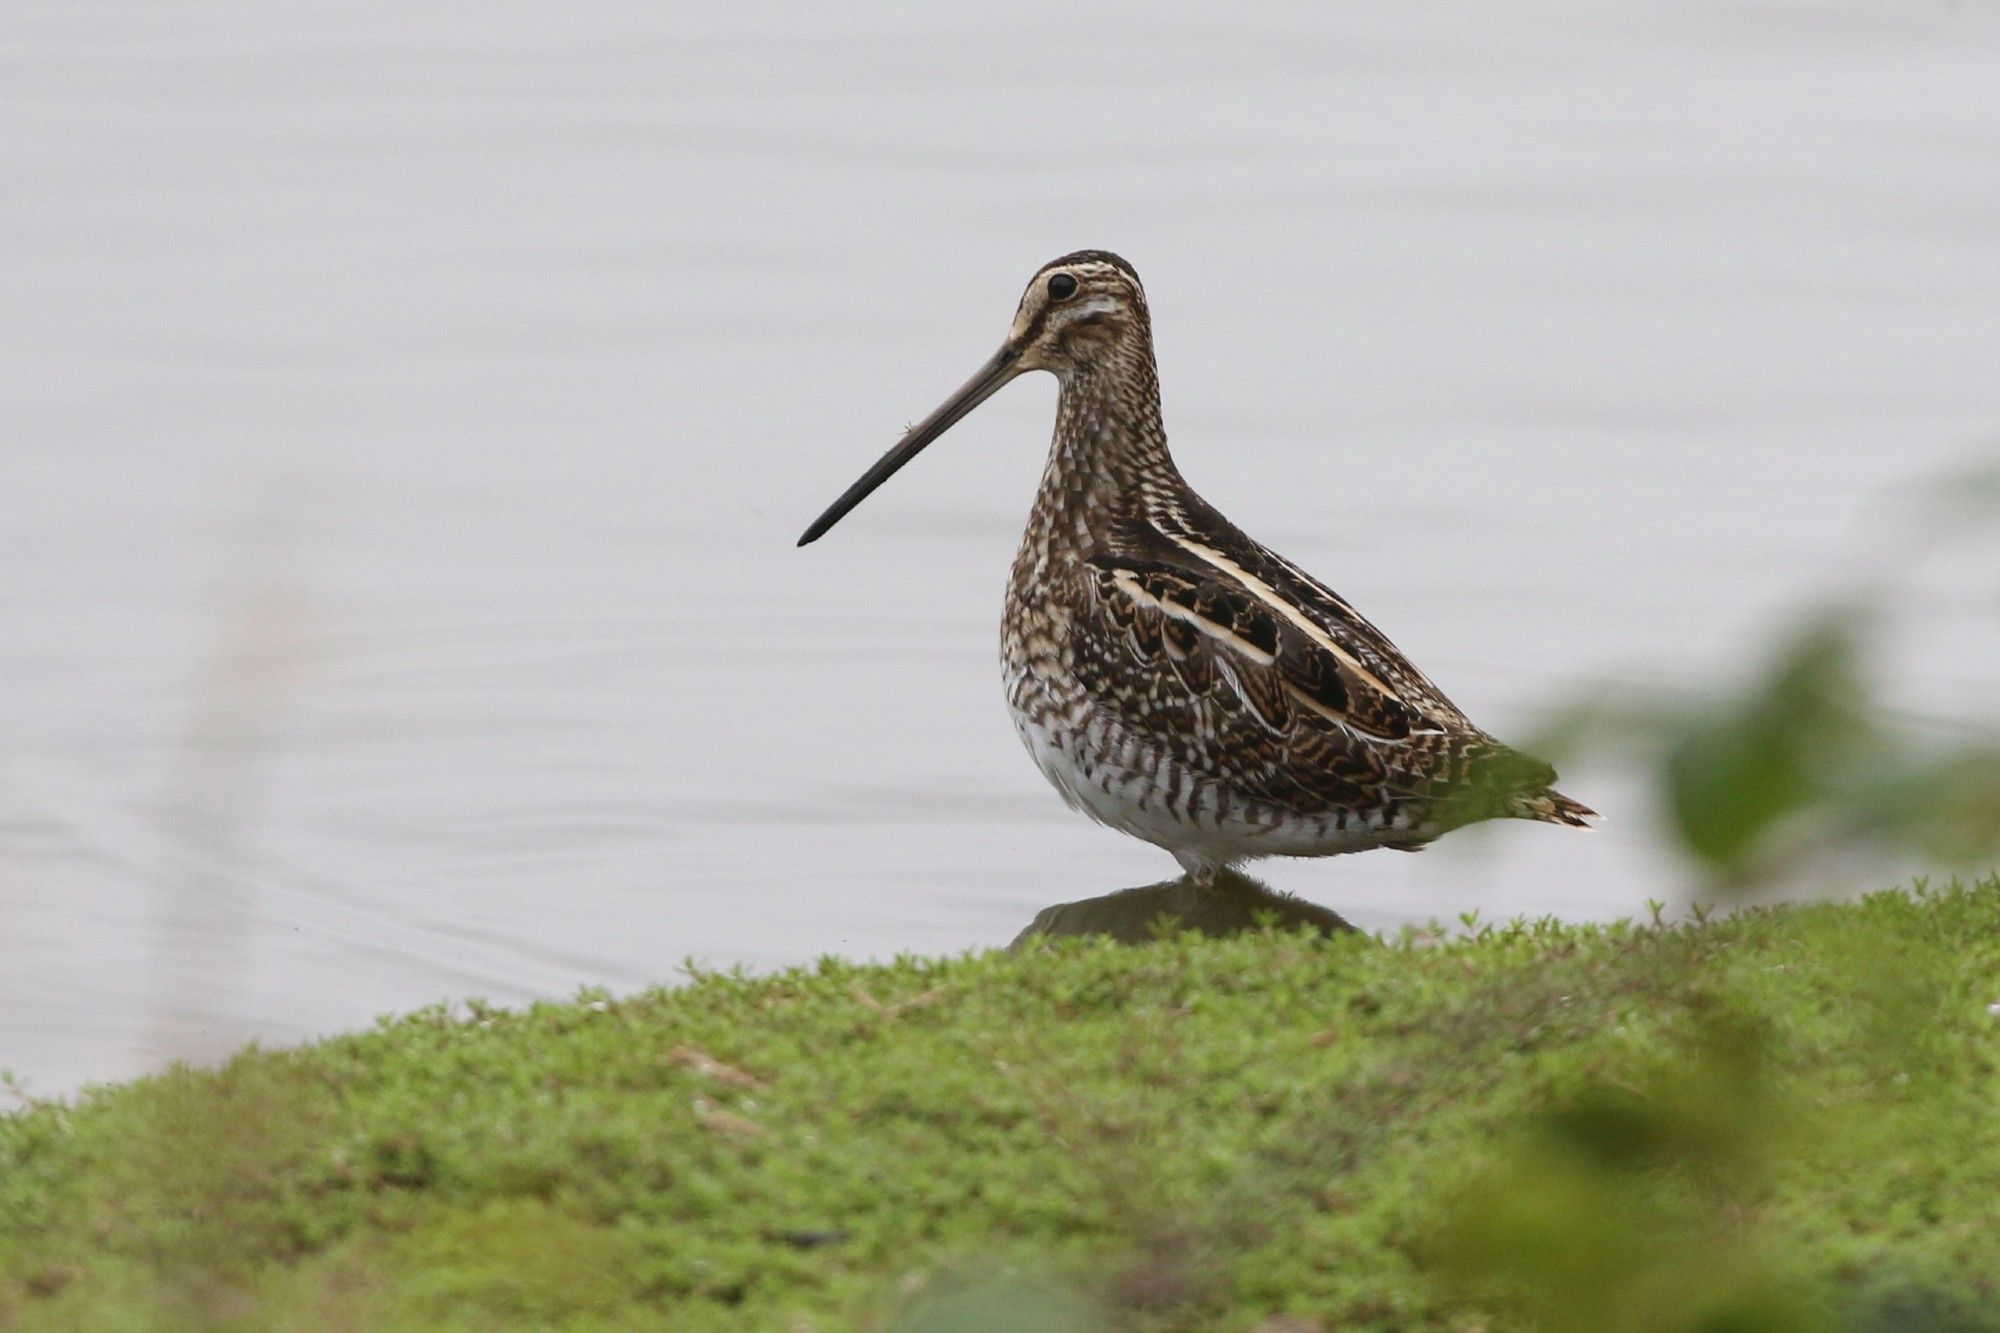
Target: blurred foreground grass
{"type": "Point", "coordinates": [1785, 1119]}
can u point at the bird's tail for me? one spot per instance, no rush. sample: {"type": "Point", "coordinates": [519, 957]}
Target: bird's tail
{"type": "Point", "coordinates": [1552, 807]}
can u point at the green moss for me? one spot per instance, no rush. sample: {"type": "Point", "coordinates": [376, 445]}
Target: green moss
{"type": "Point", "coordinates": [1780, 1120]}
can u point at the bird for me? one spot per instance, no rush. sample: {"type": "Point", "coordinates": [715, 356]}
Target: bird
{"type": "Point", "coordinates": [1173, 678]}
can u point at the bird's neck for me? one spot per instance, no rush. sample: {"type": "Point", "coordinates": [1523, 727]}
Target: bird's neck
{"type": "Point", "coordinates": [1109, 454]}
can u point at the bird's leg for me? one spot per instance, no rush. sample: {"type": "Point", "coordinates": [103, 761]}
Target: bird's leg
{"type": "Point", "coordinates": [1199, 870]}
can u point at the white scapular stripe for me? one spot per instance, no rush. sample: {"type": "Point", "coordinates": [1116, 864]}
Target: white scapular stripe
{"type": "Point", "coordinates": [1268, 595]}
{"type": "Point", "coordinates": [1128, 583]}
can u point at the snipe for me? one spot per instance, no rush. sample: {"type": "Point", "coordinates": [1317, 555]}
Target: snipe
{"type": "Point", "coordinates": [1173, 678]}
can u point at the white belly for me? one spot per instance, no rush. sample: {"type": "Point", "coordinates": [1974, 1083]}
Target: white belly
{"type": "Point", "coordinates": [1119, 782]}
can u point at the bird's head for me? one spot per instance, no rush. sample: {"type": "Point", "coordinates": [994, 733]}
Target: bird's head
{"type": "Point", "coordinates": [1078, 311]}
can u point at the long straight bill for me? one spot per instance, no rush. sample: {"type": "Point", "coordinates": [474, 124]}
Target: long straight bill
{"type": "Point", "coordinates": [974, 392]}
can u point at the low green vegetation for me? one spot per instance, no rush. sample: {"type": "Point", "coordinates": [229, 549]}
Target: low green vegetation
{"type": "Point", "coordinates": [1784, 1119]}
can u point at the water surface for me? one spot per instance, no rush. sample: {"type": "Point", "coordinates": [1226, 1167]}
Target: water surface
{"type": "Point", "coordinates": [411, 410]}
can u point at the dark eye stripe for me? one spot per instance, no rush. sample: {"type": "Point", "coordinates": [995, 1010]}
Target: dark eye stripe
{"type": "Point", "coordinates": [1062, 286]}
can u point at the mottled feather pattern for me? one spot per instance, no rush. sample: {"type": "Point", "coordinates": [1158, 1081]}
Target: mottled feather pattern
{"type": "Point", "coordinates": [1177, 680]}
{"type": "Point", "coordinates": [1172, 678]}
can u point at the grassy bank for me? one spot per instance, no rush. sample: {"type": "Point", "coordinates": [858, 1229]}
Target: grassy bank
{"type": "Point", "coordinates": [1782, 1120]}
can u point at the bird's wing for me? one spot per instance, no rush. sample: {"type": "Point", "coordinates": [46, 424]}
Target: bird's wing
{"type": "Point", "coordinates": [1198, 537]}
{"type": "Point", "coordinates": [1312, 706]}
{"type": "Point", "coordinates": [1209, 631]}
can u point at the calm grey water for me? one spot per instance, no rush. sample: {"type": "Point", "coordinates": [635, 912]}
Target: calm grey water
{"type": "Point", "coordinates": [409, 411]}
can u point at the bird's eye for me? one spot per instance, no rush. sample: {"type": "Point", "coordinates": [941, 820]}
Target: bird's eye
{"type": "Point", "coordinates": [1062, 286]}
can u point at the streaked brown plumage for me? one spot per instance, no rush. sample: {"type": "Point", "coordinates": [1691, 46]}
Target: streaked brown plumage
{"type": "Point", "coordinates": [1171, 677]}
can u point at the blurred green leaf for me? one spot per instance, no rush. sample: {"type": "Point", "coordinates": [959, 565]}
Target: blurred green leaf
{"type": "Point", "coordinates": [1949, 809]}
{"type": "Point", "coordinates": [1620, 1208]}
{"type": "Point", "coordinates": [1738, 772]}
